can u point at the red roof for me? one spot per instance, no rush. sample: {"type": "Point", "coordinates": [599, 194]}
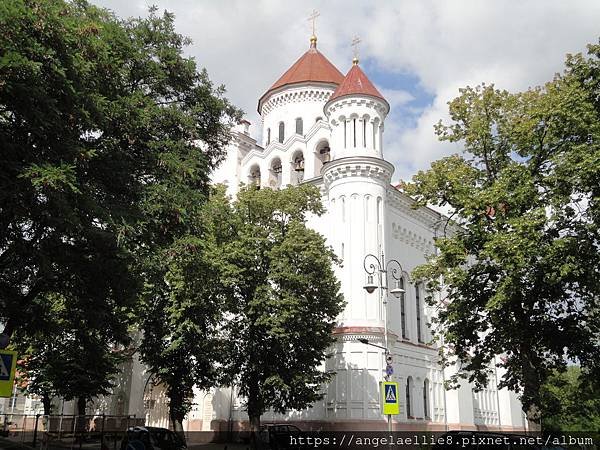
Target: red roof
{"type": "Point", "coordinates": [312, 66]}
{"type": "Point", "coordinates": [356, 82]}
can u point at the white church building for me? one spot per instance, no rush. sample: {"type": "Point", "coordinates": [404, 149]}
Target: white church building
{"type": "Point", "coordinates": [326, 129]}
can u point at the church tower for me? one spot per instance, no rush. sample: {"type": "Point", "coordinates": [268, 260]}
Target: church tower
{"type": "Point", "coordinates": [356, 112]}
{"type": "Point", "coordinates": [357, 179]}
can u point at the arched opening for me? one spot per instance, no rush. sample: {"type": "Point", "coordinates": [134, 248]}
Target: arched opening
{"type": "Point", "coordinates": [281, 132]}
{"type": "Point", "coordinates": [375, 133]}
{"type": "Point", "coordinates": [299, 126]}
{"type": "Point", "coordinates": [322, 156]}
{"type": "Point", "coordinates": [297, 172]}
{"type": "Point", "coordinates": [318, 118]}
{"type": "Point", "coordinates": [403, 310]}
{"type": "Point", "coordinates": [426, 412]}
{"type": "Point", "coordinates": [275, 171]}
{"type": "Point", "coordinates": [254, 175]}
{"type": "Point", "coordinates": [268, 137]}
{"type": "Point", "coordinates": [418, 311]}
{"type": "Point", "coordinates": [409, 409]}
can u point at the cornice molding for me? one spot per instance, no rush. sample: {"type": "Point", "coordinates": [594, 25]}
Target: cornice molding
{"type": "Point", "coordinates": [364, 166]}
{"type": "Point", "coordinates": [354, 100]}
{"type": "Point", "coordinates": [296, 94]}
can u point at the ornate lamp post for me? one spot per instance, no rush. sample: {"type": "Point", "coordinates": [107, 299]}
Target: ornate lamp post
{"type": "Point", "coordinates": [376, 267]}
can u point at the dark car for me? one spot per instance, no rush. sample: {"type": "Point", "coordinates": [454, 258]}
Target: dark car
{"type": "Point", "coordinates": [280, 435]}
{"type": "Point", "coordinates": [151, 438]}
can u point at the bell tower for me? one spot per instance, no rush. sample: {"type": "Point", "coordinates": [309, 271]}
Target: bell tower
{"type": "Point", "coordinates": [357, 179]}
{"type": "Point", "coordinates": [356, 113]}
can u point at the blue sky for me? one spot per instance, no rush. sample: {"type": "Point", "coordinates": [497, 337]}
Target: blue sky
{"type": "Point", "coordinates": [417, 52]}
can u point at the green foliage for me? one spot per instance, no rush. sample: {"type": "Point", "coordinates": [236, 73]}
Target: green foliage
{"type": "Point", "coordinates": [570, 402]}
{"type": "Point", "coordinates": [282, 296]}
{"type": "Point", "coordinates": [520, 262]}
{"type": "Point", "coordinates": [108, 137]}
{"type": "Point", "coordinates": [74, 356]}
{"type": "Point", "coordinates": [179, 321]}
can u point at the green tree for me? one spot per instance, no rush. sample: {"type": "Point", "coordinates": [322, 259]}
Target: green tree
{"type": "Point", "coordinates": [570, 401]}
{"type": "Point", "coordinates": [75, 355]}
{"type": "Point", "coordinates": [108, 137]}
{"type": "Point", "coordinates": [520, 263]}
{"type": "Point", "coordinates": [282, 297]}
{"type": "Point", "coordinates": [179, 323]}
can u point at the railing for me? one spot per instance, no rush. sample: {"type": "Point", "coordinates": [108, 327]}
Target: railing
{"type": "Point", "coordinates": [101, 432]}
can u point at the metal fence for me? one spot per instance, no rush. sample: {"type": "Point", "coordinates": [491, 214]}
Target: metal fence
{"type": "Point", "coordinates": [90, 432]}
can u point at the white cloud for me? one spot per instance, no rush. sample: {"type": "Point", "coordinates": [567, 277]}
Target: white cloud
{"type": "Point", "coordinates": [444, 44]}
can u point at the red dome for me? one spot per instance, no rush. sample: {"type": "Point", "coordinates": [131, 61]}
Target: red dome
{"type": "Point", "coordinates": [312, 66]}
{"type": "Point", "coordinates": [356, 82]}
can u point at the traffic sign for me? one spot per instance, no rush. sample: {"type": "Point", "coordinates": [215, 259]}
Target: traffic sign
{"type": "Point", "coordinates": [390, 401]}
{"type": "Point", "coordinates": [8, 364]}
{"type": "Point", "coordinates": [389, 370]}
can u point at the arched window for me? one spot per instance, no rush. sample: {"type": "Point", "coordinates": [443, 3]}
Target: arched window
{"type": "Point", "coordinates": [374, 134]}
{"type": "Point", "coordinates": [275, 175]}
{"type": "Point", "coordinates": [254, 176]}
{"type": "Point", "coordinates": [418, 311]}
{"type": "Point", "coordinates": [322, 156]}
{"type": "Point", "coordinates": [403, 310]}
{"type": "Point", "coordinates": [409, 411]}
{"type": "Point", "coordinates": [299, 126]}
{"type": "Point", "coordinates": [268, 136]}
{"type": "Point", "coordinates": [426, 399]}
{"type": "Point", "coordinates": [297, 173]}
{"type": "Point", "coordinates": [281, 132]}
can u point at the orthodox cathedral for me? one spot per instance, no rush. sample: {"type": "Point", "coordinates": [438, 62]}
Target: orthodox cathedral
{"type": "Point", "coordinates": [326, 128]}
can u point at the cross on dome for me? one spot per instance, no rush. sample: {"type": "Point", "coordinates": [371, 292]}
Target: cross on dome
{"type": "Point", "coordinates": [355, 42]}
{"type": "Point", "coordinates": [313, 16]}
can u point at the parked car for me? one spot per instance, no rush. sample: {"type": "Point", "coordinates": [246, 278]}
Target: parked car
{"type": "Point", "coordinates": [277, 435]}
{"type": "Point", "coordinates": [151, 438]}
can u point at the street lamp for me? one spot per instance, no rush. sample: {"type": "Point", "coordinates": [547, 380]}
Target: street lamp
{"type": "Point", "coordinates": [366, 342]}
{"type": "Point", "coordinates": [378, 267]}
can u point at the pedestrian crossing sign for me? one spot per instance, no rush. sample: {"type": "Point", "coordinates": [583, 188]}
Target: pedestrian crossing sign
{"type": "Point", "coordinates": [389, 394]}
{"type": "Point", "coordinates": [8, 364]}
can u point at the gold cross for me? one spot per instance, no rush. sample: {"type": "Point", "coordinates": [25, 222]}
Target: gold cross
{"type": "Point", "coordinates": [355, 42]}
{"type": "Point", "coordinates": [313, 17]}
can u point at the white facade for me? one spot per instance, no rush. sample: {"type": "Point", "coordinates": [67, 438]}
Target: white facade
{"type": "Point", "coordinates": [365, 214]}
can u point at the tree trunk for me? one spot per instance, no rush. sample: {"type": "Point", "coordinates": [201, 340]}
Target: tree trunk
{"type": "Point", "coordinates": [81, 422]}
{"type": "Point", "coordinates": [254, 413]}
{"type": "Point", "coordinates": [254, 430]}
{"type": "Point", "coordinates": [177, 414]}
{"type": "Point", "coordinates": [532, 384]}
{"type": "Point", "coordinates": [47, 402]}
{"type": "Point", "coordinates": [81, 402]}
{"type": "Point", "coordinates": [177, 422]}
